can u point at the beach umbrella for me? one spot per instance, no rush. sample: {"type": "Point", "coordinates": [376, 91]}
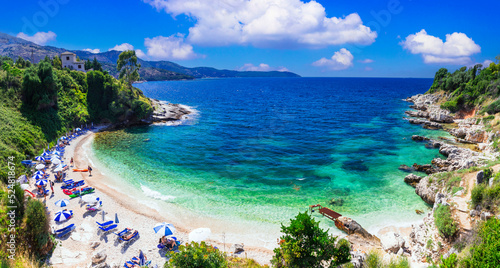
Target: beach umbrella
{"type": "Point", "coordinates": [58, 168]}
{"type": "Point", "coordinates": [164, 228]}
{"type": "Point", "coordinates": [56, 161]}
{"type": "Point", "coordinates": [62, 215]}
{"type": "Point", "coordinates": [39, 172]}
{"type": "Point", "coordinates": [63, 137]}
{"type": "Point", "coordinates": [199, 234]}
{"type": "Point", "coordinates": [45, 154]}
{"type": "Point", "coordinates": [22, 179]}
{"type": "Point", "coordinates": [25, 186]}
{"type": "Point", "coordinates": [41, 182]}
{"type": "Point", "coordinates": [78, 129]}
{"type": "Point", "coordinates": [37, 176]}
{"type": "Point", "coordinates": [90, 198]}
{"type": "Point", "coordinates": [116, 218]}
{"type": "Point", "coordinates": [39, 158]}
{"type": "Point", "coordinates": [40, 166]}
{"type": "Point", "coordinates": [55, 153]}
{"type": "Point", "coordinates": [62, 202]}
{"type": "Point", "coordinates": [142, 258]}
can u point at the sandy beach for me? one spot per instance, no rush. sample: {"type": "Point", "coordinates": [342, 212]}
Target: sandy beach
{"type": "Point", "coordinates": [129, 206]}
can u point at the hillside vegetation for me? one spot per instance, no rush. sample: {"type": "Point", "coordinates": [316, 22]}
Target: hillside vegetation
{"type": "Point", "coordinates": [469, 88]}
{"type": "Point", "coordinates": [40, 102]}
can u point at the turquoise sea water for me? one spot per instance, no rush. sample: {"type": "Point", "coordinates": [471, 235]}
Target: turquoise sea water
{"type": "Point", "coordinates": [263, 149]}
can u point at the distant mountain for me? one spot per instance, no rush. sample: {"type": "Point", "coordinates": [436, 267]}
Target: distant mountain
{"type": "Point", "coordinates": [151, 70]}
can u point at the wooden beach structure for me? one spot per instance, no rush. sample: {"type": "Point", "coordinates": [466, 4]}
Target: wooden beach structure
{"type": "Point", "coordinates": [330, 214]}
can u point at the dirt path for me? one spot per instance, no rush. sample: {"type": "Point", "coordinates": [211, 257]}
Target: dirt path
{"type": "Point", "coordinates": [463, 211]}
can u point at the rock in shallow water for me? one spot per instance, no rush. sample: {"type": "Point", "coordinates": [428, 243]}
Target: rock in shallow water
{"type": "Point", "coordinates": [412, 179]}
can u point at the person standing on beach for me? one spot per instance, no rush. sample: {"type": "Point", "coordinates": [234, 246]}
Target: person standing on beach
{"type": "Point", "coordinates": [90, 171]}
{"type": "Point", "coordinates": [71, 161]}
{"type": "Point", "coordinates": [52, 186]}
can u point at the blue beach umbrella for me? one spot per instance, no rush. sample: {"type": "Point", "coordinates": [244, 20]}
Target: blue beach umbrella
{"type": "Point", "coordinates": [39, 158]}
{"type": "Point", "coordinates": [164, 228]}
{"type": "Point", "coordinates": [62, 215]}
{"type": "Point", "coordinates": [37, 176]}
{"type": "Point", "coordinates": [56, 153]}
{"type": "Point", "coordinates": [62, 202]}
{"type": "Point", "coordinates": [45, 154]}
{"type": "Point", "coordinates": [39, 172]}
{"type": "Point", "coordinates": [41, 182]}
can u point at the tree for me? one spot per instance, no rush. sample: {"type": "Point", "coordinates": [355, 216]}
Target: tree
{"type": "Point", "coordinates": [96, 65]}
{"type": "Point", "coordinates": [128, 66]}
{"type": "Point", "coordinates": [20, 62]}
{"type": "Point", "coordinates": [56, 62]}
{"type": "Point", "coordinates": [304, 244]}
{"type": "Point", "coordinates": [88, 65]}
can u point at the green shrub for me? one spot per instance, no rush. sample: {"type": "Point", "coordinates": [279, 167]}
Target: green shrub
{"type": "Point", "coordinates": [493, 108]}
{"type": "Point", "coordinates": [197, 255]}
{"type": "Point", "coordinates": [445, 224]}
{"type": "Point", "coordinates": [485, 250]}
{"type": "Point", "coordinates": [451, 105]}
{"type": "Point", "coordinates": [477, 194]}
{"type": "Point", "coordinates": [37, 224]}
{"type": "Point", "coordinates": [304, 244]}
{"type": "Point", "coordinates": [488, 173]}
{"type": "Point", "coordinates": [373, 260]}
{"type": "Point", "coordinates": [400, 262]}
{"type": "Point", "coordinates": [450, 262]}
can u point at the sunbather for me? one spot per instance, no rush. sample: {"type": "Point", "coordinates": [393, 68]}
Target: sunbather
{"type": "Point", "coordinates": [128, 237]}
{"type": "Point", "coordinates": [168, 242]}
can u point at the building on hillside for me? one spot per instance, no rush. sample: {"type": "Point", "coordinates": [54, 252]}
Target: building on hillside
{"type": "Point", "coordinates": [69, 61]}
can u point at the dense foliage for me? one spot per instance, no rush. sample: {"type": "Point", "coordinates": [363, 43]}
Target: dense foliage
{"type": "Point", "coordinates": [486, 196]}
{"type": "Point", "coordinates": [445, 223]}
{"type": "Point", "coordinates": [469, 87]}
{"type": "Point", "coordinates": [39, 103]}
{"type": "Point", "coordinates": [485, 251]}
{"type": "Point", "coordinates": [197, 255]}
{"type": "Point", "coordinates": [305, 244]}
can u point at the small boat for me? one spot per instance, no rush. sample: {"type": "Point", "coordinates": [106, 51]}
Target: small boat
{"type": "Point", "coordinates": [80, 170]}
{"type": "Point", "coordinates": [146, 140]}
{"type": "Point", "coordinates": [84, 191]}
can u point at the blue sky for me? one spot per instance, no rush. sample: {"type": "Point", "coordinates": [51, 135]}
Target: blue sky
{"type": "Point", "coordinates": [390, 38]}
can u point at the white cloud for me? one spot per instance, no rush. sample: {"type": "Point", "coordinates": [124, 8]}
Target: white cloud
{"type": "Point", "coordinates": [366, 61]}
{"type": "Point", "coordinates": [40, 38]}
{"type": "Point", "coordinates": [122, 47]}
{"type": "Point", "coordinates": [140, 54]}
{"type": "Point", "coordinates": [486, 63]}
{"type": "Point", "coordinates": [270, 23]}
{"type": "Point", "coordinates": [340, 60]}
{"type": "Point", "coordinates": [169, 48]}
{"type": "Point", "coordinates": [457, 48]}
{"type": "Point", "coordinates": [261, 68]}
{"type": "Point", "coordinates": [94, 51]}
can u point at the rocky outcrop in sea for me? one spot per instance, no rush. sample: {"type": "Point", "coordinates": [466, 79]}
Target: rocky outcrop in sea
{"type": "Point", "coordinates": [164, 112]}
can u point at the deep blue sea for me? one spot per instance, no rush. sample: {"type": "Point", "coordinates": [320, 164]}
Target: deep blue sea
{"type": "Point", "coordinates": [264, 149]}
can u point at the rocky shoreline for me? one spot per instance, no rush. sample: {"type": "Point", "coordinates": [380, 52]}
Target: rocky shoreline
{"type": "Point", "coordinates": [472, 146]}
